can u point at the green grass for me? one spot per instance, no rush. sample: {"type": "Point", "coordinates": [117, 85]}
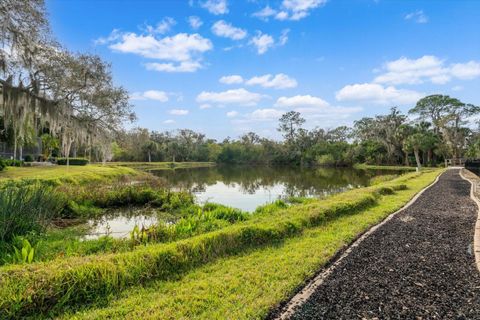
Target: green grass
{"type": "Point", "coordinates": [162, 165]}
{"type": "Point", "coordinates": [71, 174]}
{"type": "Point", "coordinates": [247, 286]}
{"type": "Point", "coordinates": [67, 283]}
{"type": "Point", "coordinates": [381, 167]}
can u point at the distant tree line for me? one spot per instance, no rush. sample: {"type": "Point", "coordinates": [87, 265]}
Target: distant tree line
{"type": "Point", "coordinates": [438, 127]}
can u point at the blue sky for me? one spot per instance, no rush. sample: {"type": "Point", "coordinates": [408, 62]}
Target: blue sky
{"type": "Point", "coordinates": [225, 67]}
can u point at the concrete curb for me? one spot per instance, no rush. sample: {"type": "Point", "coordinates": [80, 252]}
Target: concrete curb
{"type": "Point", "coordinates": [476, 237]}
{"type": "Point", "coordinates": [300, 298]}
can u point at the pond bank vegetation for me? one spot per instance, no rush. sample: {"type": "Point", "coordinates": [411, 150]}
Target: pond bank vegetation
{"type": "Point", "coordinates": [93, 278]}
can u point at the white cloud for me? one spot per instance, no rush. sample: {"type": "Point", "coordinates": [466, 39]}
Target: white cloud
{"type": "Point", "coordinates": [162, 27]}
{"type": "Point", "coordinates": [184, 66]}
{"type": "Point", "coordinates": [418, 16]}
{"type": "Point", "coordinates": [301, 101]}
{"type": "Point", "coordinates": [161, 96]}
{"type": "Point", "coordinates": [262, 42]}
{"type": "Point", "coordinates": [265, 13]}
{"type": "Point", "coordinates": [466, 71]}
{"type": "Point", "coordinates": [457, 88]}
{"type": "Point", "coordinates": [169, 121]}
{"type": "Point", "coordinates": [195, 22]}
{"type": "Point", "coordinates": [179, 112]}
{"type": "Point", "coordinates": [232, 114]}
{"type": "Point", "coordinates": [378, 94]}
{"type": "Point", "coordinates": [184, 49]}
{"type": "Point", "coordinates": [234, 96]}
{"type": "Point", "coordinates": [426, 68]}
{"type": "Point", "coordinates": [231, 79]}
{"type": "Point", "coordinates": [205, 106]}
{"type": "Point", "coordinates": [216, 7]}
{"type": "Point", "coordinates": [283, 37]}
{"type": "Point", "coordinates": [114, 35]}
{"type": "Point", "coordinates": [281, 15]}
{"type": "Point", "coordinates": [265, 114]}
{"type": "Point", "coordinates": [279, 81]}
{"type": "Point", "coordinates": [224, 29]}
{"type": "Point", "coordinates": [290, 10]}
{"type": "Point", "coordinates": [180, 47]}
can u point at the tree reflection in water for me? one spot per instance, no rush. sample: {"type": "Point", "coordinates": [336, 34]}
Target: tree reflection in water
{"type": "Point", "coordinates": [249, 186]}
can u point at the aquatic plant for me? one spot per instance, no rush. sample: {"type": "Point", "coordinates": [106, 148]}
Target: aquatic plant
{"type": "Point", "coordinates": [26, 208]}
{"type": "Point", "coordinates": [25, 254]}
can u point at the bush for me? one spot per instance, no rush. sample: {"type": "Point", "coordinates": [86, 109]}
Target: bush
{"type": "Point", "coordinates": [13, 163]}
{"type": "Point", "coordinates": [2, 164]}
{"type": "Point", "coordinates": [326, 160]}
{"type": "Point", "coordinates": [72, 161]}
{"type": "Point", "coordinates": [28, 158]}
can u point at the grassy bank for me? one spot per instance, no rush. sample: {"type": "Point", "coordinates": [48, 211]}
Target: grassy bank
{"type": "Point", "coordinates": [162, 165]}
{"type": "Point", "coordinates": [62, 284]}
{"type": "Point", "coordinates": [93, 172]}
{"type": "Point", "coordinates": [71, 174]}
{"type": "Point", "coordinates": [377, 167]}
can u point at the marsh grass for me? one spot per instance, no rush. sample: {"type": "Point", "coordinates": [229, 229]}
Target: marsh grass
{"type": "Point", "coordinates": [26, 208]}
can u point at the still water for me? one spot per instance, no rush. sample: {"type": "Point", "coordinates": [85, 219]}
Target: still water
{"type": "Point", "coordinates": [240, 187]}
{"type": "Point", "coordinates": [249, 187]}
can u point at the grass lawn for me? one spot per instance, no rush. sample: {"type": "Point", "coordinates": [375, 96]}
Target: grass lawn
{"type": "Point", "coordinates": [162, 165]}
{"type": "Point", "coordinates": [248, 285]}
{"type": "Point", "coordinates": [396, 168]}
{"type": "Point", "coordinates": [93, 172]}
{"type": "Point", "coordinates": [74, 174]}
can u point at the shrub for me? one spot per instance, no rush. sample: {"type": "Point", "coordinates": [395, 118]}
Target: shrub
{"type": "Point", "coordinates": [13, 163]}
{"type": "Point", "coordinates": [72, 161]}
{"type": "Point", "coordinates": [28, 158]}
{"type": "Point", "coordinates": [326, 160]}
{"type": "Point", "coordinates": [2, 164]}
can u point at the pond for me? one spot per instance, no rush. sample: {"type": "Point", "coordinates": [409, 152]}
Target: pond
{"type": "Point", "coordinates": [247, 188]}
{"type": "Point", "coordinates": [240, 187]}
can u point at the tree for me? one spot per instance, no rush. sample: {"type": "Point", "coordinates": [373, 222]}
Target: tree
{"type": "Point", "coordinates": [448, 116]}
{"type": "Point", "coordinates": [49, 143]}
{"type": "Point", "coordinates": [290, 122]}
{"type": "Point", "coordinates": [149, 147]}
{"type": "Point", "coordinates": [421, 139]}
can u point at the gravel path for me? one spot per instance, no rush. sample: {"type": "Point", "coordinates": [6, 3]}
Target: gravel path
{"type": "Point", "coordinates": [419, 265]}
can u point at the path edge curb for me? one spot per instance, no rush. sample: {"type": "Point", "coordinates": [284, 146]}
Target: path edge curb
{"type": "Point", "coordinates": [302, 296]}
{"type": "Point", "coordinates": [476, 236]}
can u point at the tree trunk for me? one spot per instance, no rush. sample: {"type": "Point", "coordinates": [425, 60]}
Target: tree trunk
{"type": "Point", "coordinates": [417, 158]}
{"type": "Point", "coordinates": [407, 163]}
{"type": "Point", "coordinates": [14, 143]}
{"type": "Point", "coordinates": [149, 157]}
{"type": "Point", "coordinates": [20, 156]}
{"type": "Point", "coordinates": [429, 156]}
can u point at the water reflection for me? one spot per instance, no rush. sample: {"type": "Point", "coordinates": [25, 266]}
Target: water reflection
{"type": "Point", "coordinates": [248, 187]}
{"type": "Point", "coordinates": [118, 223]}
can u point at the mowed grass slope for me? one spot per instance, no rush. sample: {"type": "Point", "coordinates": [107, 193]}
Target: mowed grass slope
{"type": "Point", "coordinates": [239, 272]}
{"type": "Point", "coordinates": [92, 172]}
{"type": "Point", "coordinates": [70, 174]}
